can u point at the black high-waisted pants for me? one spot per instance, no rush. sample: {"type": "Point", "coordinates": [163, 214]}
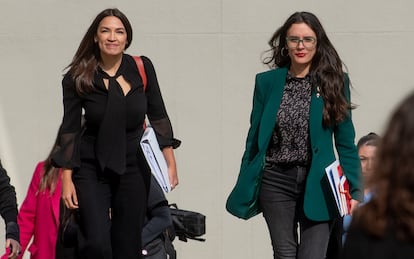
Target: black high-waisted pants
{"type": "Point", "coordinates": [117, 236]}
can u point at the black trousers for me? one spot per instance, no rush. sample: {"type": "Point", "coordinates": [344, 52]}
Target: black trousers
{"type": "Point", "coordinates": [115, 236]}
{"type": "Point", "coordinates": [335, 240]}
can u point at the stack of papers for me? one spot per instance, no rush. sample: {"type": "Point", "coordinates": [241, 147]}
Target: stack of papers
{"type": "Point", "coordinates": [155, 158]}
{"type": "Point", "coordinates": [340, 188]}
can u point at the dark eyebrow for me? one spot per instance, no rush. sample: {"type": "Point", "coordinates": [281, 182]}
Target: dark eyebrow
{"type": "Point", "coordinates": [294, 36]}
{"type": "Point", "coordinates": [119, 28]}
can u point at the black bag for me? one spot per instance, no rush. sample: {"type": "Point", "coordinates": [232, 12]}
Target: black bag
{"type": "Point", "coordinates": [188, 224]}
{"type": "Point", "coordinates": [160, 248]}
{"type": "Point", "coordinates": [68, 229]}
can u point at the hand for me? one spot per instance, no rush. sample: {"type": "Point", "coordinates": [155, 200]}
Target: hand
{"type": "Point", "coordinates": [14, 246]}
{"type": "Point", "coordinates": [172, 168]}
{"type": "Point", "coordinates": [69, 196]}
{"type": "Point", "coordinates": [354, 206]}
{"type": "Point", "coordinates": [172, 175]}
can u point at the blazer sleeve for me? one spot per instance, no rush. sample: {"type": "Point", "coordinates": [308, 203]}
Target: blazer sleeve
{"type": "Point", "coordinates": [27, 213]}
{"type": "Point", "coordinates": [251, 147]}
{"type": "Point", "coordinates": [348, 155]}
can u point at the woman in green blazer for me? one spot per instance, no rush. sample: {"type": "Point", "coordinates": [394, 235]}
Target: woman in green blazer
{"type": "Point", "coordinates": [301, 114]}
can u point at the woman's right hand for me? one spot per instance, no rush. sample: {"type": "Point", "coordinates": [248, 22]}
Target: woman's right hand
{"type": "Point", "coordinates": [68, 190]}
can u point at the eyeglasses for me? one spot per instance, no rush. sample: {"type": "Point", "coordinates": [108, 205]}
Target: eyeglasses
{"type": "Point", "coordinates": [308, 42]}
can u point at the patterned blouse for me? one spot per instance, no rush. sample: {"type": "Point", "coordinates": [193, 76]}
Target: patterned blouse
{"type": "Point", "coordinates": [290, 142]}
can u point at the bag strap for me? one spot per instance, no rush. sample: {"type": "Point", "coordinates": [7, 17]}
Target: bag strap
{"type": "Point", "coordinates": [141, 70]}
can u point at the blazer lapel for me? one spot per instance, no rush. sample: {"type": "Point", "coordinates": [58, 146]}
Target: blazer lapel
{"type": "Point", "coordinates": [268, 119]}
{"type": "Point", "coordinates": [315, 117]}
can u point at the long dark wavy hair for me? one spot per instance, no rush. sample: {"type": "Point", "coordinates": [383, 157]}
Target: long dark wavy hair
{"type": "Point", "coordinates": [326, 68]}
{"type": "Point", "coordinates": [391, 207]}
{"type": "Point", "coordinates": [85, 62]}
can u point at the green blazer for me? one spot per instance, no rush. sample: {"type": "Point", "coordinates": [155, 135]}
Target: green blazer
{"type": "Point", "coordinates": [319, 204]}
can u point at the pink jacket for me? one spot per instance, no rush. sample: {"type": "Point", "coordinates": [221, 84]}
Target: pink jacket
{"type": "Point", "coordinates": [39, 218]}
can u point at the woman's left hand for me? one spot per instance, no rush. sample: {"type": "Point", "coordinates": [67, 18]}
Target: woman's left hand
{"type": "Point", "coordinates": [172, 173]}
{"type": "Point", "coordinates": [354, 205]}
{"type": "Point", "coordinates": [168, 153]}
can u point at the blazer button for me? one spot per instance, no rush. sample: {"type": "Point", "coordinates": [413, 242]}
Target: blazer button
{"type": "Point", "coordinates": [315, 150]}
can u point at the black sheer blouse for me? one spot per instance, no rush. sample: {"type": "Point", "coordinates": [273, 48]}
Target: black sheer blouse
{"type": "Point", "coordinates": [113, 121]}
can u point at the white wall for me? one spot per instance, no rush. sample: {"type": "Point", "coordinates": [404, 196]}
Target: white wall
{"type": "Point", "coordinates": [206, 54]}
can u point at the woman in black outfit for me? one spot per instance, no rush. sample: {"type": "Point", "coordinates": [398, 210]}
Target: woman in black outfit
{"type": "Point", "coordinates": [103, 166]}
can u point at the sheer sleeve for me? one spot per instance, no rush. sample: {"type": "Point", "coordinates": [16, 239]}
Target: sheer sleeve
{"type": "Point", "coordinates": [156, 111]}
{"type": "Point", "coordinates": [66, 153]}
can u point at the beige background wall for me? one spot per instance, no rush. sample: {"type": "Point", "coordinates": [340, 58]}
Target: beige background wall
{"type": "Point", "coordinates": [206, 54]}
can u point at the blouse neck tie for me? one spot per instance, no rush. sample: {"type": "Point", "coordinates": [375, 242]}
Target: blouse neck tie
{"type": "Point", "coordinates": [111, 140]}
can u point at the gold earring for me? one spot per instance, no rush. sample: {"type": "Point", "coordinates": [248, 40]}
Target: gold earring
{"type": "Point", "coordinates": [284, 52]}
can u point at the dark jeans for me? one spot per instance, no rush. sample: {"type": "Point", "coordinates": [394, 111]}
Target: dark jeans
{"type": "Point", "coordinates": [281, 199]}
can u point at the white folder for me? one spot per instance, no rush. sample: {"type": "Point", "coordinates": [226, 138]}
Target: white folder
{"type": "Point", "coordinates": [339, 187]}
{"type": "Point", "coordinates": [155, 158]}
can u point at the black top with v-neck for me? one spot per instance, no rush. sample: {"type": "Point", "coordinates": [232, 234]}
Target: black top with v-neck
{"type": "Point", "coordinates": [113, 121]}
